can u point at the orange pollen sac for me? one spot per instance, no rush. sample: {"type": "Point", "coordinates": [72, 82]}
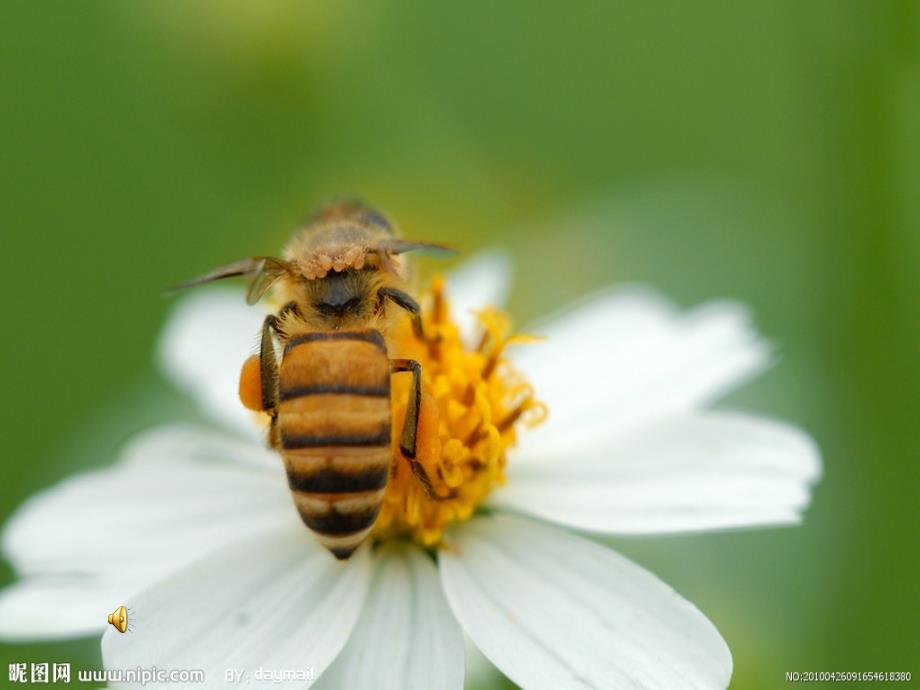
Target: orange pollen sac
{"type": "Point", "coordinates": [474, 403]}
{"type": "Point", "coordinates": [251, 384]}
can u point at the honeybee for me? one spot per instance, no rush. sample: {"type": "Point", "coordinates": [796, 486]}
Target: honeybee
{"type": "Point", "coordinates": [328, 397]}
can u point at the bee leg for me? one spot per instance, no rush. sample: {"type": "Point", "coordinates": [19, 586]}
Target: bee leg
{"type": "Point", "coordinates": [409, 438]}
{"type": "Point", "coordinates": [268, 365]}
{"type": "Point", "coordinates": [289, 308]}
{"type": "Point", "coordinates": [405, 301]}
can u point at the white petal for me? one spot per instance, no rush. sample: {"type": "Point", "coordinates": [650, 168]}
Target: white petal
{"type": "Point", "coordinates": [552, 611]}
{"type": "Point", "coordinates": [57, 608]}
{"type": "Point", "coordinates": [406, 638]}
{"type": "Point", "coordinates": [207, 337]}
{"type": "Point", "coordinates": [481, 281]}
{"type": "Point", "coordinates": [179, 494]}
{"type": "Point", "coordinates": [691, 472]}
{"type": "Point", "coordinates": [625, 357]}
{"type": "Point", "coordinates": [184, 443]}
{"type": "Point", "coordinates": [278, 601]}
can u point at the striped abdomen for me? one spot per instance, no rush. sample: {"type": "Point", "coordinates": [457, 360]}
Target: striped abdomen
{"type": "Point", "coordinates": [333, 431]}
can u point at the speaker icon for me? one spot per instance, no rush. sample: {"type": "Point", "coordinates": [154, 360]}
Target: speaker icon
{"type": "Point", "coordinates": [118, 619]}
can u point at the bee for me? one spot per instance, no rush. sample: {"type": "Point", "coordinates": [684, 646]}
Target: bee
{"type": "Point", "coordinates": [343, 287]}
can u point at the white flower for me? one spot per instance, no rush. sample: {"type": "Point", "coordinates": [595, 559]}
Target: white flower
{"type": "Point", "coordinates": [220, 573]}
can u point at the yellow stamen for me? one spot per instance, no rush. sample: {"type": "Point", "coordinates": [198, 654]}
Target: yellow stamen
{"type": "Point", "coordinates": [472, 403]}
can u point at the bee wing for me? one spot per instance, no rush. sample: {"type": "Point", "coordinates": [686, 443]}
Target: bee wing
{"type": "Point", "coordinates": [398, 246]}
{"type": "Point", "coordinates": [264, 277]}
{"type": "Point", "coordinates": [262, 271]}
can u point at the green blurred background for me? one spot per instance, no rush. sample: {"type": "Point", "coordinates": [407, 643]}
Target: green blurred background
{"type": "Point", "coordinates": [764, 151]}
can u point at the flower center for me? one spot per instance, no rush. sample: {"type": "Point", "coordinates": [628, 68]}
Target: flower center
{"type": "Point", "coordinates": [473, 403]}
